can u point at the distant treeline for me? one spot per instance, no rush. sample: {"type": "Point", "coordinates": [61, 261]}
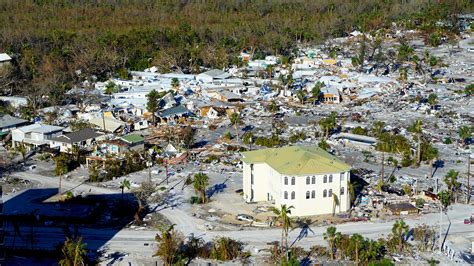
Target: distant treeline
{"type": "Point", "coordinates": [52, 39]}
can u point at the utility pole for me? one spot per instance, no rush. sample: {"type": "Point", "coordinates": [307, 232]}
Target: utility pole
{"type": "Point", "coordinates": [103, 120]}
{"type": "Point", "coordinates": [149, 164]}
{"type": "Point", "coordinates": [468, 178]}
{"type": "Point", "coordinates": [382, 174]}
{"type": "Point", "coordinates": [60, 181]}
{"type": "Point", "coordinates": [440, 228]}
{"type": "Point", "coordinates": [166, 169]}
{"type": "Point", "coordinates": [2, 250]}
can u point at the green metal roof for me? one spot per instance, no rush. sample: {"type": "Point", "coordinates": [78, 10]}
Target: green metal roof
{"type": "Point", "coordinates": [133, 138]}
{"type": "Point", "coordinates": [297, 160]}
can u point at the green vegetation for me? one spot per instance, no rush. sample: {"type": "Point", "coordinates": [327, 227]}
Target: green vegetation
{"type": "Point", "coordinates": [354, 247]}
{"type": "Point", "coordinates": [235, 121]}
{"type": "Point", "coordinates": [465, 132]}
{"type": "Point", "coordinates": [173, 250]}
{"type": "Point", "coordinates": [283, 216]}
{"type": "Point", "coordinates": [297, 136]}
{"type": "Point", "coordinates": [328, 124]}
{"type": "Point", "coordinates": [125, 184]}
{"type": "Point", "coordinates": [451, 180]}
{"type": "Point", "coordinates": [74, 252]}
{"type": "Point", "coordinates": [324, 145]}
{"type": "Point", "coordinates": [133, 161]}
{"type": "Point", "coordinates": [169, 243]}
{"type": "Point", "coordinates": [469, 90]}
{"type": "Point", "coordinates": [359, 131]}
{"type": "Point", "coordinates": [269, 142]}
{"type": "Point", "coordinates": [77, 40]}
{"type": "Point", "coordinates": [316, 90]}
{"type": "Point", "coordinates": [200, 183]}
{"type": "Point", "coordinates": [248, 138]}
{"type": "Point", "coordinates": [153, 103]}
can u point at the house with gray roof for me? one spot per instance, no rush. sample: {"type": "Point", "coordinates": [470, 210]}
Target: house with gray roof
{"type": "Point", "coordinates": [211, 75]}
{"type": "Point", "coordinates": [84, 139]}
{"type": "Point", "coordinates": [8, 122]}
{"type": "Point", "coordinates": [174, 113]}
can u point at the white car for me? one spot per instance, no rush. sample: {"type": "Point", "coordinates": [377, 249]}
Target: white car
{"type": "Point", "coordinates": [244, 217]}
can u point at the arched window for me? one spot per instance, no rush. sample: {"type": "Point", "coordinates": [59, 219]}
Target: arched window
{"type": "Point", "coordinates": [342, 177]}
{"type": "Point", "coordinates": [292, 195]}
{"type": "Point", "coordinates": [292, 180]}
{"type": "Point", "coordinates": [307, 180]}
{"type": "Point", "coordinates": [325, 179]}
{"type": "Point", "coordinates": [313, 194]}
{"type": "Point", "coordinates": [313, 180]}
{"type": "Point", "coordinates": [286, 180]}
{"type": "Point", "coordinates": [307, 194]}
{"type": "Point", "coordinates": [325, 193]}
{"type": "Point", "coordinates": [285, 195]}
{"type": "Point", "coordinates": [330, 178]}
{"type": "Point", "coordinates": [330, 193]}
{"type": "Point", "coordinates": [342, 190]}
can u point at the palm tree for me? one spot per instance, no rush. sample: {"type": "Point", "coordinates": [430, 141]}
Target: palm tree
{"type": "Point", "coordinates": [451, 180]}
{"type": "Point", "coordinates": [431, 153]}
{"type": "Point", "coordinates": [300, 95]}
{"type": "Point", "coordinates": [152, 105]}
{"type": "Point", "coordinates": [61, 168]}
{"type": "Point", "coordinates": [399, 229]}
{"type": "Point", "coordinates": [393, 162]}
{"type": "Point", "coordinates": [465, 133]}
{"type": "Point", "coordinates": [316, 91]}
{"type": "Point", "coordinates": [175, 83]}
{"type": "Point", "coordinates": [21, 148]}
{"type": "Point", "coordinates": [125, 184]}
{"type": "Point", "coordinates": [330, 237]}
{"type": "Point", "coordinates": [269, 71]}
{"type": "Point", "coordinates": [248, 138]}
{"type": "Point", "coordinates": [200, 183]}
{"type": "Point", "coordinates": [383, 146]}
{"type": "Point", "coordinates": [417, 128]}
{"type": "Point", "coordinates": [328, 123]}
{"type": "Point", "coordinates": [74, 252]}
{"type": "Point", "coordinates": [335, 202]}
{"type": "Point", "coordinates": [378, 128]}
{"type": "Point", "coordinates": [235, 120]}
{"type": "Point", "coordinates": [110, 88]}
{"type": "Point", "coordinates": [283, 215]}
{"type": "Point", "coordinates": [169, 243]}
{"type": "Point", "coordinates": [445, 198]}
{"type": "Point", "coordinates": [356, 244]}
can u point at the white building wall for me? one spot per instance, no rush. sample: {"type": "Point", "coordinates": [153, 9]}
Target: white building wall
{"type": "Point", "coordinates": [268, 182]}
{"type": "Point", "coordinates": [36, 136]}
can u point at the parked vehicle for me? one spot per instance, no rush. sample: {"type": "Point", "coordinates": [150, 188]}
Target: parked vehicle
{"type": "Point", "coordinates": [244, 217]}
{"type": "Point", "coordinates": [469, 220]}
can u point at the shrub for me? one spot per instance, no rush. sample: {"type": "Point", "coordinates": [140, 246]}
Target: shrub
{"type": "Point", "coordinates": [225, 248]}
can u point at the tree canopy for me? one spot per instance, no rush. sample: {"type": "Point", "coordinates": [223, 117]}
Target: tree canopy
{"type": "Point", "coordinates": [77, 40]}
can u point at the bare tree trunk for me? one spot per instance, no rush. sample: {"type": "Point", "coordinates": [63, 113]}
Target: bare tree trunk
{"type": "Point", "coordinates": [468, 179]}
{"type": "Point", "coordinates": [382, 173]}
{"type": "Point", "coordinates": [357, 254]}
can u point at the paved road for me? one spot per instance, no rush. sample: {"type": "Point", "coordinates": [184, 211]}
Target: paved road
{"type": "Point", "coordinates": [141, 243]}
